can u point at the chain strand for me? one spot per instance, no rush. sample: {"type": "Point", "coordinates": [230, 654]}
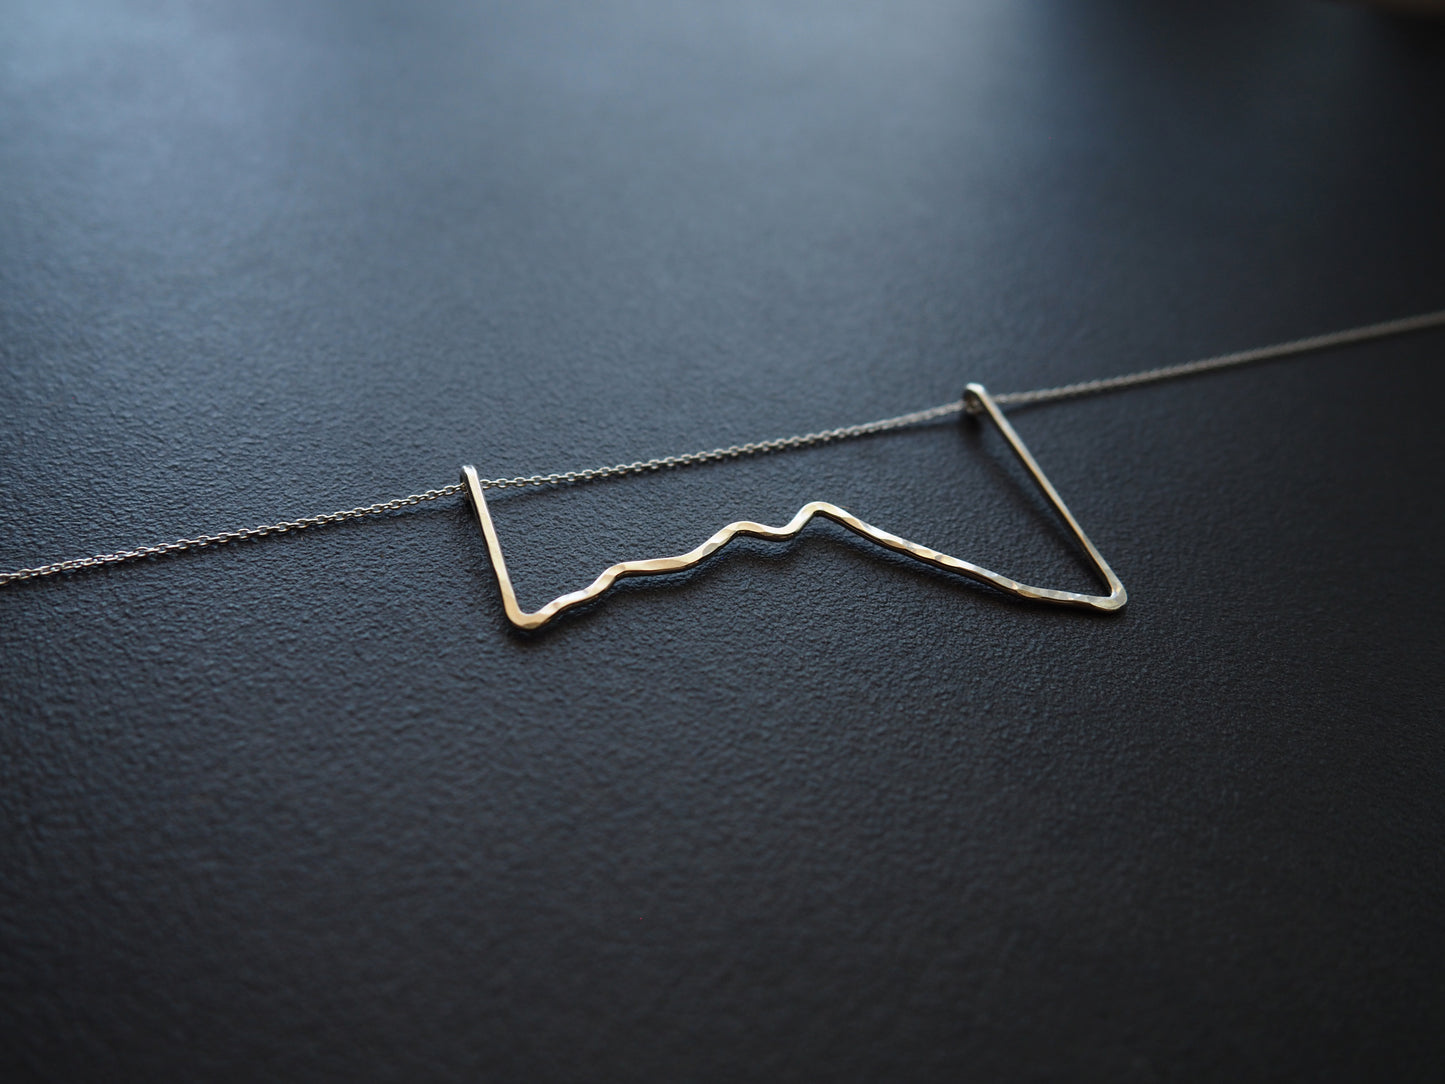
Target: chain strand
{"type": "Point", "coordinates": [732, 451]}
{"type": "Point", "coordinates": [1224, 361]}
{"type": "Point", "coordinates": [738, 451]}
{"type": "Point", "coordinates": [201, 541]}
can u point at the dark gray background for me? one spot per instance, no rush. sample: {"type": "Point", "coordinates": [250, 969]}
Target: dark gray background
{"type": "Point", "coordinates": [305, 808]}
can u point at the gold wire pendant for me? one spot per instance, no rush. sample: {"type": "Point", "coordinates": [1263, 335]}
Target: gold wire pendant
{"type": "Point", "coordinates": [976, 400]}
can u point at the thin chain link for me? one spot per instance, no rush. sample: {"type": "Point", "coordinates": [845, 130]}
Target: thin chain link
{"type": "Point", "coordinates": [732, 451]}
{"type": "Point", "coordinates": [738, 451]}
{"type": "Point", "coordinates": [201, 541]}
{"type": "Point", "coordinates": [1225, 361]}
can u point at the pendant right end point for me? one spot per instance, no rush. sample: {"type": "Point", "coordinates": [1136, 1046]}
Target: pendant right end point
{"type": "Point", "coordinates": [973, 398]}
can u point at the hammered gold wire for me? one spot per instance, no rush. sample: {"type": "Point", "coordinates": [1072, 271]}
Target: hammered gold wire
{"type": "Point", "coordinates": [977, 400]}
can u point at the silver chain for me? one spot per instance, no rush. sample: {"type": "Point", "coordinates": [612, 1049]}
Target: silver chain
{"type": "Point", "coordinates": [738, 451]}
{"type": "Point", "coordinates": [200, 541]}
{"type": "Point", "coordinates": [732, 451]}
{"type": "Point", "coordinates": [1225, 361]}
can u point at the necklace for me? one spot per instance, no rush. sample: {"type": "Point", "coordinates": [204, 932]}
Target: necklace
{"type": "Point", "coordinates": [975, 402]}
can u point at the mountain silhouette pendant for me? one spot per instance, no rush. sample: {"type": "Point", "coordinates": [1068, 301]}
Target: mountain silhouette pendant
{"type": "Point", "coordinates": [977, 401]}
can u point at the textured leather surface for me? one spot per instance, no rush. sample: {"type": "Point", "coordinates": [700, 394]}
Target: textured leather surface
{"type": "Point", "coordinates": [306, 809]}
